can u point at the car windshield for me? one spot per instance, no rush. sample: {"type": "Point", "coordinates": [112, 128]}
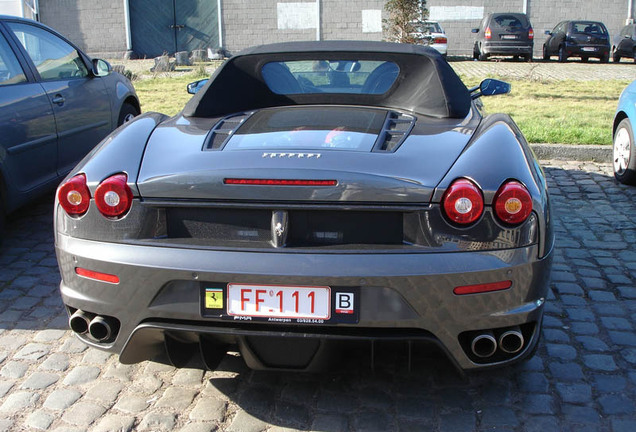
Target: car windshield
{"type": "Point", "coordinates": [330, 76]}
{"type": "Point", "coordinates": [589, 28]}
{"type": "Point", "coordinates": [309, 129]}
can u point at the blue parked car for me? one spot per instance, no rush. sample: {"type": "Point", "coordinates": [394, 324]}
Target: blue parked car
{"type": "Point", "coordinates": [56, 104]}
{"type": "Point", "coordinates": [624, 144]}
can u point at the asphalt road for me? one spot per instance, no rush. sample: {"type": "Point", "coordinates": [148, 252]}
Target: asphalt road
{"type": "Point", "coordinates": [583, 377]}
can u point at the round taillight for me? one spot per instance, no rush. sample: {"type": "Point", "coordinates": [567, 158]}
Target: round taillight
{"type": "Point", "coordinates": [74, 196]}
{"type": "Point", "coordinates": [512, 203]}
{"type": "Point", "coordinates": [113, 197]}
{"type": "Point", "coordinates": [463, 202]}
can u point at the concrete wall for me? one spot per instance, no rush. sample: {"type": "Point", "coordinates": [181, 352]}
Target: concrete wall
{"type": "Point", "coordinates": [97, 27]}
{"type": "Point", "coordinates": [247, 23]}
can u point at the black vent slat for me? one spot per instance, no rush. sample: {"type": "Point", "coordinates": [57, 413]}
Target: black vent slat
{"type": "Point", "coordinates": [396, 128]}
{"type": "Point", "coordinates": [223, 130]}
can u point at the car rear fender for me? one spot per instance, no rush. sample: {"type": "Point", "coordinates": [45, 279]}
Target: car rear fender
{"type": "Point", "coordinates": [121, 151]}
{"type": "Point", "coordinates": [496, 153]}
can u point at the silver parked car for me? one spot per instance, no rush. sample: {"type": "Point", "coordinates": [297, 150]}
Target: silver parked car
{"type": "Point", "coordinates": [56, 104]}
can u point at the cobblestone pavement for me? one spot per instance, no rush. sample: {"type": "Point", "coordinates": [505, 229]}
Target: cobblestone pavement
{"type": "Point", "coordinates": [583, 377]}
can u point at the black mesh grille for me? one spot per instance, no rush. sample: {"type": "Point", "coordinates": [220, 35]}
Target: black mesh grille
{"type": "Point", "coordinates": [307, 228]}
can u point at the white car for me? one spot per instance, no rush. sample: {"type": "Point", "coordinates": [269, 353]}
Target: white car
{"type": "Point", "coordinates": [432, 34]}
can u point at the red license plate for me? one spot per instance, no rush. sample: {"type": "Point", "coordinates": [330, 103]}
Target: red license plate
{"type": "Point", "coordinates": [274, 301]}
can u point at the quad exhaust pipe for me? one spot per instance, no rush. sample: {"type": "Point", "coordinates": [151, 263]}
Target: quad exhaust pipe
{"type": "Point", "coordinates": [484, 344]}
{"type": "Point", "coordinates": [100, 329]}
{"type": "Point", "coordinates": [79, 322]}
{"type": "Point", "coordinates": [510, 341]}
{"type": "Point", "coordinates": [96, 326]}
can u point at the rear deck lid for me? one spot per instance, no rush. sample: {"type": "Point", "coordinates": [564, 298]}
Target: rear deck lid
{"type": "Point", "coordinates": [328, 154]}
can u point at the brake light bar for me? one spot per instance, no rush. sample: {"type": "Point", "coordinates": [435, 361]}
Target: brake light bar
{"type": "Point", "coordinates": [278, 182]}
{"type": "Point", "coordinates": [482, 288]}
{"type": "Point", "coordinates": [98, 276]}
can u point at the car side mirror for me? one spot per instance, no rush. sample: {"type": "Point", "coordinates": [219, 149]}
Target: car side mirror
{"type": "Point", "coordinates": [490, 87]}
{"type": "Point", "coordinates": [475, 31]}
{"type": "Point", "coordinates": [194, 87]}
{"type": "Point", "coordinates": [548, 32]}
{"type": "Point", "coordinates": [101, 68]}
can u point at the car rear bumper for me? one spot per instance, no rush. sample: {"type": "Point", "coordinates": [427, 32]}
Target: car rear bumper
{"type": "Point", "coordinates": [507, 48]}
{"type": "Point", "coordinates": [402, 296]}
{"type": "Point", "coordinates": [590, 50]}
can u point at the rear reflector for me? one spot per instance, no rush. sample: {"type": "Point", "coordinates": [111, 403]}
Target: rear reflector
{"type": "Point", "coordinates": [482, 288]}
{"type": "Point", "coordinates": [102, 277]}
{"type": "Point", "coordinates": [279, 182]}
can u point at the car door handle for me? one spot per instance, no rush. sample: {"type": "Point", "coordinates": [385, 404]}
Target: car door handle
{"type": "Point", "coordinates": [58, 99]}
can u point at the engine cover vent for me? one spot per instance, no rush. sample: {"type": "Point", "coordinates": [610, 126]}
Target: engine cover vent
{"type": "Point", "coordinates": [396, 128]}
{"type": "Point", "coordinates": [223, 130]}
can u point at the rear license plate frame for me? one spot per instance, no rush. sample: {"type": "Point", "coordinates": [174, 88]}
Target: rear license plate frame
{"type": "Point", "coordinates": [344, 304]}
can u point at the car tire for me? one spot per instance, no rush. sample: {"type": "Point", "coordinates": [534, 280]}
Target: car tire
{"type": "Point", "coordinates": [584, 59]}
{"type": "Point", "coordinates": [563, 56]}
{"type": "Point", "coordinates": [615, 55]}
{"type": "Point", "coordinates": [605, 58]}
{"type": "Point", "coordinates": [624, 153]}
{"type": "Point", "coordinates": [546, 56]}
{"type": "Point", "coordinates": [127, 113]}
{"type": "Point", "coordinates": [527, 58]}
{"type": "Point", "coordinates": [482, 56]}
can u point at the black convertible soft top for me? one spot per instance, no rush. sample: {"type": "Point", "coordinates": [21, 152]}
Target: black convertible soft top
{"type": "Point", "coordinates": [426, 84]}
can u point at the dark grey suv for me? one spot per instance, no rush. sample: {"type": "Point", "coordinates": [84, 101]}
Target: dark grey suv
{"type": "Point", "coordinates": [56, 104]}
{"type": "Point", "coordinates": [504, 34]}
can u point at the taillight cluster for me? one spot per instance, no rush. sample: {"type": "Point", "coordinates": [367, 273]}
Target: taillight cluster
{"type": "Point", "coordinates": [113, 196]}
{"type": "Point", "coordinates": [463, 202]}
{"type": "Point", "coordinates": [530, 34]}
{"type": "Point", "coordinates": [487, 33]}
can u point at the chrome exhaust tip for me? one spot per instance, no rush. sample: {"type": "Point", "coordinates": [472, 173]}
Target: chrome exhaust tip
{"type": "Point", "coordinates": [511, 341]}
{"type": "Point", "coordinates": [99, 329]}
{"type": "Point", "coordinates": [79, 322]}
{"type": "Point", "coordinates": [484, 344]}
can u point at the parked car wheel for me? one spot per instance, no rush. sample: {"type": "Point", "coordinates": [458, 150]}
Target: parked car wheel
{"type": "Point", "coordinates": [563, 56]}
{"type": "Point", "coordinates": [605, 58]}
{"type": "Point", "coordinates": [482, 56]}
{"type": "Point", "coordinates": [527, 57]}
{"type": "Point", "coordinates": [616, 57]}
{"type": "Point", "coordinates": [546, 56]}
{"type": "Point", "coordinates": [625, 153]}
{"type": "Point", "coordinates": [127, 113]}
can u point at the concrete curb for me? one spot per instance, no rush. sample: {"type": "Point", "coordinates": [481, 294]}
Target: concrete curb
{"type": "Point", "coordinates": [594, 153]}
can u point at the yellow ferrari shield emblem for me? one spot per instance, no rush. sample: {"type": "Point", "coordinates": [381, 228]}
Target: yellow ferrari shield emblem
{"type": "Point", "coordinates": [214, 298]}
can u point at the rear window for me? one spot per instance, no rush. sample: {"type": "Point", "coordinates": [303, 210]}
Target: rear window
{"type": "Point", "coordinates": [333, 76]}
{"type": "Point", "coordinates": [589, 28]}
{"type": "Point", "coordinates": [309, 129]}
{"type": "Point", "coordinates": [514, 21]}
